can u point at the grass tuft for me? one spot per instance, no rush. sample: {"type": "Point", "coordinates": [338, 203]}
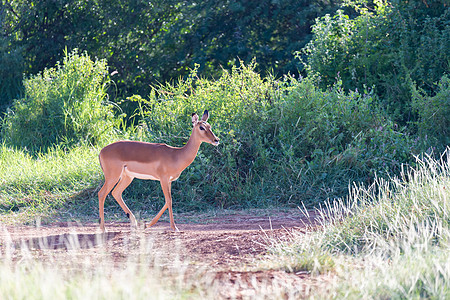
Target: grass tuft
{"type": "Point", "coordinates": [390, 240]}
{"type": "Point", "coordinates": [39, 186]}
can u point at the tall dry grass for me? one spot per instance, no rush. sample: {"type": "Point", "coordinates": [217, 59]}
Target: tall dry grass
{"type": "Point", "coordinates": [388, 241]}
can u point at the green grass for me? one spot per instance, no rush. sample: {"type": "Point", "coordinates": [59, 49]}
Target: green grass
{"type": "Point", "coordinates": [388, 241]}
{"type": "Point", "coordinates": [40, 186]}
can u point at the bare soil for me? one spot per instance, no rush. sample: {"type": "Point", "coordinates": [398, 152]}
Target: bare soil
{"type": "Point", "coordinates": [228, 245]}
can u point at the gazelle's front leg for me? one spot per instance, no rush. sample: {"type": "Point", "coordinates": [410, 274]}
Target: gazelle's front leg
{"type": "Point", "coordinates": [166, 187]}
{"type": "Point", "coordinates": [168, 195]}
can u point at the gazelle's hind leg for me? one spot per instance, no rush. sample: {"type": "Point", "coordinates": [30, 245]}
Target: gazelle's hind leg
{"type": "Point", "coordinates": [124, 182]}
{"type": "Point", "coordinates": [104, 191]}
{"type": "Point", "coordinates": [113, 174]}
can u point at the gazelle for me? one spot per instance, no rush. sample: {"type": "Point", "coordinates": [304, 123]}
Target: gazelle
{"type": "Point", "coordinates": [123, 161]}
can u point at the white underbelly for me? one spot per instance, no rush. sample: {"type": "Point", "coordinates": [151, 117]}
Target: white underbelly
{"type": "Point", "coordinates": [139, 175]}
{"type": "Point", "coordinates": [146, 176]}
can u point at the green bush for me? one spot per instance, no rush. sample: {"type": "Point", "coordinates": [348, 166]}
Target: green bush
{"type": "Point", "coordinates": [62, 105]}
{"type": "Point", "coordinates": [386, 47]}
{"type": "Point", "coordinates": [282, 141]}
{"type": "Point", "coordinates": [331, 138]}
{"type": "Point", "coordinates": [434, 112]}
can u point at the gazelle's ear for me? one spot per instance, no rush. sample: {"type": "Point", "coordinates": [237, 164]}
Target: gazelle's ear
{"type": "Point", "coordinates": [194, 119]}
{"type": "Point", "coordinates": [205, 116]}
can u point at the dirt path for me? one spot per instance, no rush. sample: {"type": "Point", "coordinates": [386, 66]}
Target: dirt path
{"type": "Point", "coordinates": [228, 244]}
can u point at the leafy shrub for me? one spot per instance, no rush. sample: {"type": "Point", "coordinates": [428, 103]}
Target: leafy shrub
{"type": "Point", "coordinates": [338, 137]}
{"type": "Point", "coordinates": [282, 141]}
{"type": "Point", "coordinates": [62, 105]}
{"type": "Point", "coordinates": [434, 112]}
{"type": "Point", "coordinates": [387, 47]}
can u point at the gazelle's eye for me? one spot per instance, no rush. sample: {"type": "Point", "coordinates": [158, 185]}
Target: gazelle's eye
{"type": "Point", "coordinates": [202, 128]}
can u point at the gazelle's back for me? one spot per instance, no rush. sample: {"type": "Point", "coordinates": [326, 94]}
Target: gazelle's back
{"type": "Point", "coordinates": [132, 151]}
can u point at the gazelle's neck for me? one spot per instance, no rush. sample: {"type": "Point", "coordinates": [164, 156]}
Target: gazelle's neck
{"type": "Point", "coordinates": [189, 151]}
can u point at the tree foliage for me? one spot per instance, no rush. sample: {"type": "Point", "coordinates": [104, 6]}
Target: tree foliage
{"type": "Point", "coordinates": [392, 46]}
{"type": "Point", "coordinates": [157, 41]}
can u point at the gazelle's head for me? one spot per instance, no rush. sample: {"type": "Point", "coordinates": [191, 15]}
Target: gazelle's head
{"type": "Point", "coordinates": [203, 129]}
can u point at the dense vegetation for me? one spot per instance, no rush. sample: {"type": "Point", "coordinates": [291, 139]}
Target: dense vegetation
{"type": "Point", "coordinates": [365, 97]}
{"type": "Point", "coordinates": [62, 105]}
{"type": "Point", "coordinates": [284, 142]}
{"type": "Point", "coordinates": [375, 95]}
{"type": "Point", "coordinates": [396, 48]}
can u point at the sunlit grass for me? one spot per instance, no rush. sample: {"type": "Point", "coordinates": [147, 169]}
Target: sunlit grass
{"type": "Point", "coordinates": [32, 186]}
{"type": "Point", "coordinates": [391, 240]}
